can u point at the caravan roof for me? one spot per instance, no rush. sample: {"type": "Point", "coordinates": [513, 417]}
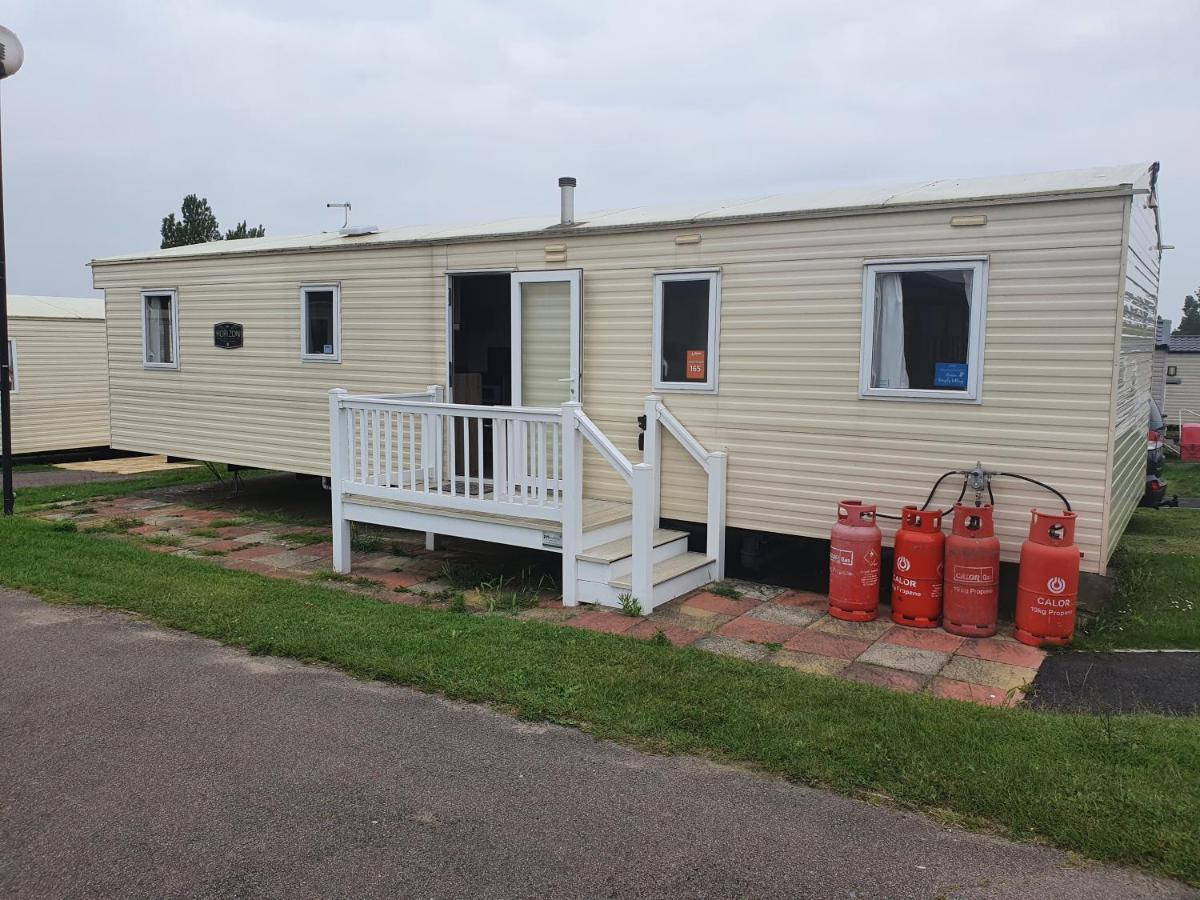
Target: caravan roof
{"type": "Point", "coordinates": [1106, 180]}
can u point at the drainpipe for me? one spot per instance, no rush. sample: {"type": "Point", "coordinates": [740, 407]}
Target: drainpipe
{"type": "Point", "coordinates": [566, 186]}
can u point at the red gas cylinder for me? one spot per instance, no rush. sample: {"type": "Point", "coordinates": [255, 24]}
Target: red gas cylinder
{"type": "Point", "coordinates": [972, 585]}
{"type": "Point", "coordinates": [1048, 582]}
{"type": "Point", "coordinates": [917, 570]}
{"type": "Point", "coordinates": [1189, 442]}
{"type": "Point", "coordinates": [854, 547]}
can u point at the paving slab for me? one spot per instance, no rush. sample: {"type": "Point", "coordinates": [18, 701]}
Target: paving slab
{"type": "Point", "coordinates": [677, 635]}
{"type": "Point", "coordinates": [726, 646]}
{"type": "Point", "coordinates": [747, 628]}
{"type": "Point", "coordinates": [796, 616]}
{"type": "Point", "coordinates": [983, 694]}
{"type": "Point", "coordinates": [861, 631]}
{"type": "Point", "coordinates": [923, 638]}
{"type": "Point", "coordinates": [892, 679]}
{"type": "Point", "coordinates": [982, 671]}
{"type": "Point", "coordinates": [603, 621]}
{"type": "Point", "coordinates": [825, 644]}
{"type": "Point", "coordinates": [708, 603]}
{"type": "Point", "coordinates": [812, 663]}
{"type": "Point", "coordinates": [752, 590]}
{"type": "Point", "coordinates": [1011, 652]}
{"type": "Point", "coordinates": [909, 659]}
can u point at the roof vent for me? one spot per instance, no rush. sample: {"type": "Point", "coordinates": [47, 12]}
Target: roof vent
{"type": "Point", "coordinates": [358, 230]}
{"type": "Point", "coordinates": [566, 187]}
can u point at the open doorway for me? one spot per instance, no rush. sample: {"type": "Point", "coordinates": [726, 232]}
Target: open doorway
{"type": "Point", "coordinates": [481, 349]}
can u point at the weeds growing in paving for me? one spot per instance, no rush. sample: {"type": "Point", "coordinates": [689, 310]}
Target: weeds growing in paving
{"type": "Point", "coordinates": [725, 589]}
{"type": "Point", "coordinates": [117, 525]}
{"type": "Point", "coordinates": [343, 578]}
{"type": "Point", "coordinates": [305, 538]}
{"type": "Point", "coordinates": [206, 531]}
{"type": "Point", "coordinates": [1123, 789]}
{"type": "Point", "coordinates": [630, 605]}
{"type": "Point", "coordinates": [362, 541]}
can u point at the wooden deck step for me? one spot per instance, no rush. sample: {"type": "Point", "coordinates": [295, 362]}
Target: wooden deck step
{"type": "Point", "coordinates": [596, 513]}
{"type": "Point", "coordinates": [667, 569]}
{"type": "Point", "coordinates": [623, 547]}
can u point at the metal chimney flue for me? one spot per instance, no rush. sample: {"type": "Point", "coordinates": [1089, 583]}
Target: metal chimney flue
{"type": "Point", "coordinates": [566, 186]}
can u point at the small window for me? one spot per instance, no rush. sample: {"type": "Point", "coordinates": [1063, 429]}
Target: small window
{"type": "Point", "coordinates": [320, 316]}
{"type": "Point", "coordinates": [1172, 371]}
{"type": "Point", "coordinates": [160, 330]}
{"type": "Point", "coordinates": [922, 334]}
{"type": "Point", "coordinates": [13, 384]}
{"type": "Point", "coordinates": [686, 318]}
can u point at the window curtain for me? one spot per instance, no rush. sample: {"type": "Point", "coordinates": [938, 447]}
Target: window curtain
{"type": "Point", "coordinates": [888, 368]}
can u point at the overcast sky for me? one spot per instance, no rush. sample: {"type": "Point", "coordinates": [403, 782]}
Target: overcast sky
{"type": "Point", "coordinates": [426, 112]}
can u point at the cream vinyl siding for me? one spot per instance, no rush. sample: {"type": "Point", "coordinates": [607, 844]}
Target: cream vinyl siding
{"type": "Point", "coordinates": [1134, 362]}
{"type": "Point", "coordinates": [62, 380]}
{"type": "Point", "coordinates": [1158, 377]}
{"type": "Point", "coordinates": [1183, 399]}
{"type": "Point", "coordinates": [787, 410]}
{"type": "Point", "coordinates": [261, 404]}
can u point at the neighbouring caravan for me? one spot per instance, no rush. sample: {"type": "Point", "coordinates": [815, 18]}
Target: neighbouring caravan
{"type": "Point", "coordinates": [1158, 369]}
{"type": "Point", "coordinates": [1182, 371]}
{"type": "Point", "coordinates": [59, 373]}
{"type": "Point", "coordinates": [796, 350]}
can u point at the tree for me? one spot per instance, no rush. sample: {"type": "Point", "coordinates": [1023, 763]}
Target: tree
{"type": "Point", "coordinates": [234, 234]}
{"type": "Point", "coordinates": [1190, 323]}
{"type": "Point", "coordinates": [197, 224]}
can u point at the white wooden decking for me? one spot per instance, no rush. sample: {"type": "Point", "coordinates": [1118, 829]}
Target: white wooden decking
{"type": "Point", "coordinates": [515, 476]}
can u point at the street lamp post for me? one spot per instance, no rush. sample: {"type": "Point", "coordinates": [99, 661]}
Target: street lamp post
{"type": "Point", "coordinates": [11, 57]}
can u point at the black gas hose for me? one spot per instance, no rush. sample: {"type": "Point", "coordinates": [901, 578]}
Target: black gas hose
{"type": "Point", "coordinates": [937, 484]}
{"type": "Point", "coordinates": [1057, 493]}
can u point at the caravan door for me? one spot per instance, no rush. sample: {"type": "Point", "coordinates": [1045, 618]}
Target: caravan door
{"type": "Point", "coordinates": [547, 329]}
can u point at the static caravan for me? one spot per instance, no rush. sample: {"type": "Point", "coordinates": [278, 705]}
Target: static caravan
{"type": "Point", "coordinates": [577, 382]}
{"type": "Point", "coordinates": [1158, 369]}
{"type": "Point", "coordinates": [59, 373]}
{"type": "Point", "coordinates": [1182, 367]}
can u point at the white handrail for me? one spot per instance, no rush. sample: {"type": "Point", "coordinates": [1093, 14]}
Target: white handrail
{"type": "Point", "coordinates": [681, 434]}
{"type": "Point", "coordinates": [714, 464]}
{"type": "Point", "coordinates": [432, 392]}
{"type": "Point", "coordinates": [527, 413]}
{"type": "Point", "coordinates": [607, 448]}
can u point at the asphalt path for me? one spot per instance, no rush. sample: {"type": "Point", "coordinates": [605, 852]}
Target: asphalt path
{"type": "Point", "coordinates": [139, 762]}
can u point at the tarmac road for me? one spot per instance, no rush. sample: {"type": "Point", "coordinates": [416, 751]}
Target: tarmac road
{"type": "Point", "coordinates": [140, 762]}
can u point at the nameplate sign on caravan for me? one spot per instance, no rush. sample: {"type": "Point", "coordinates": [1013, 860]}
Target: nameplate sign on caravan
{"type": "Point", "coordinates": [227, 335]}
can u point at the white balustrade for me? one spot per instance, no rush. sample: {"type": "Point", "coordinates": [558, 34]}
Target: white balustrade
{"type": "Point", "coordinates": [514, 462]}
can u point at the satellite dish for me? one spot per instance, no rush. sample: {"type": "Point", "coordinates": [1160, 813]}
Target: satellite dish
{"type": "Point", "coordinates": [12, 54]}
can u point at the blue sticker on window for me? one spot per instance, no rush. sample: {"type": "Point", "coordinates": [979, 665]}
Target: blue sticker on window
{"type": "Point", "coordinates": [950, 375]}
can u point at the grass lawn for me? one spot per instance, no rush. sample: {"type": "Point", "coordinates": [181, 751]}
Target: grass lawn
{"type": "Point", "coordinates": [1157, 570]}
{"type": "Point", "coordinates": [1183, 478]}
{"type": "Point", "coordinates": [1121, 789]}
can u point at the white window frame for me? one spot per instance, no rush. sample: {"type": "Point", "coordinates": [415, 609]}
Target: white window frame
{"type": "Point", "coordinates": [336, 356]}
{"type": "Point", "coordinates": [174, 295]}
{"type": "Point", "coordinates": [12, 366]}
{"type": "Point", "coordinates": [978, 265]}
{"type": "Point", "coordinates": [709, 385]}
